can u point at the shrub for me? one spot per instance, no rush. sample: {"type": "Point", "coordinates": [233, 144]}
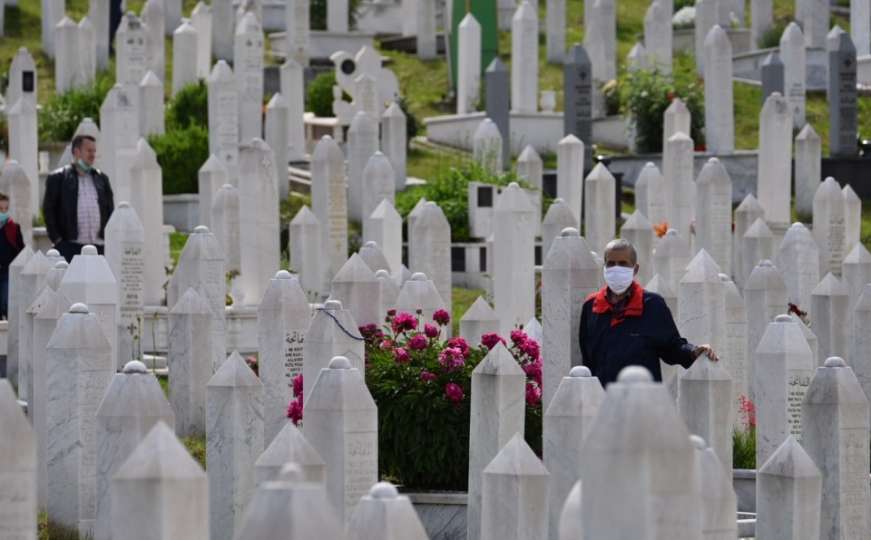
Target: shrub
{"type": "Point", "coordinates": [319, 98]}
{"type": "Point", "coordinates": [678, 4]}
{"type": "Point", "coordinates": [190, 106]}
{"type": "Point", "coordinates": [412, 124]}
{"type": "Point", "coordinates": [449, 189]}
{"type": "Point", "coordinates": [771, 37]}
{"type": "Point", "coordinates": [181, 153]}
{"type": "Point", "coordinates": [61, 115]}
{"type": "Point", "coordinates": [645, 95]}
{"type": "Point", "coordinates": [422, 386]}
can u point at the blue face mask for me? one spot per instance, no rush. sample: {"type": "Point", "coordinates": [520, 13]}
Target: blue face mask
{"type": "Point", "coordinates": [83, 165]}
{"type": "Point", "coordinates": [4, 217]}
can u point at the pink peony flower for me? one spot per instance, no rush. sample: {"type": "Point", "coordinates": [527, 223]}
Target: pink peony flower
{"type": "Point", "coordinates": [427, 376]}
{"type": "Point", "coordinates": [294, 411]}
{"type": "Point", "coordinates": [454, 392]}
{"type": "Point", "coordinates": [518, 337]}
{"type": "Point", "coordinates": [431, 330]}
{"type": "Point", "coordinates": [391, 312]}
{"type": "Point", "coordinates": [441, 316]}
{"type": "Point", "coordinates": [452, 358]}
{"type": "Point", "coordinates": [530, 348]}
{"type": "Point", "coordinates": [490, 340]}
{"type": "Point", "coordinates": [460, 343]}
{"type": "Point", "coordinates": [404, 322]}
{"type": "Point", "coordinates": [418, 342]}
{"type": "Point", "coordinates": [386, 345]}
{"type": "Point", "coordinates": [401, 355]}
{"type": "Point", "coordinates": [533, 394]}
{"type": "Point", "coordinates": [533, 371]}
{"type": "Point", "coordinates": [297, 385]}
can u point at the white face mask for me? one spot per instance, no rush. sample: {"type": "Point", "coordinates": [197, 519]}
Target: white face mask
{"type": "Point", "coordinates": [619, 278]}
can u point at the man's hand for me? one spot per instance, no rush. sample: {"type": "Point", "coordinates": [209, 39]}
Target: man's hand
{"type": "Point", "coordinates": [705, 349]}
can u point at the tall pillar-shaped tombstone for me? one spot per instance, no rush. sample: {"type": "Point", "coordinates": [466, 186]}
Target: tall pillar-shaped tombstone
{"type": "Point", "coordinates": [378, 184]}
{"type": "Point", "coordinates": [487, 146]}
{"type": "Point", "coordinates": [558, 217]}
{"type": "Point", "coordinates": [18, 489]}
{"type": "Point", "coordinates": [276, 137]}
{"type": "Point", "coordinates": [794, 56]}
{"type": "Point", "coordinates": [259, 222]}
{"type": "Point", "coordinates": [332, 332]}
{"type": "Point", "coordinates": [283, 317]}
{"type": "Point", "coordinates": [788, 494]}
{"type": "Point", "coordinates": [384, 227]}
{"type": "Point", "coordinates": [341, 423]}
{"type": "Point", "coordinates": [90, 280]}
{"type": "Point", "coordinates": [719, 115]}
{"type": "Point", "coordinates": [734, 350]}
{"type": "Point", "coordinates": [23, 144]}
{"type": "Point", "coordinates": [705, 404]}
{"type": "Point", "coordinates": [211, 176]}
{"type": "Point", "coordinates": [765, 298]}
{"type": "Point", "coordinates": [775, 151]}
{"type": "Point", "coordinates": [713, 223]}
{"type": "Point", "coordinates": [146, 197]}
{"type": "Point", "coordinates": [223, 106]}
{"type": "Point", "coordinates": [569, 274]}
{"type": "Point", "coordinates": [784, 366]}
{"type": "Point", "coordinates": [658, 35]}
{"type": "Point", "coordinates": [516, 470]}
{"type": "Point", "coordinates": [578, 88]}
{"type": "Point", "coordinates": [524, 59]}
{"type": "Point", "coordinates": [358, 290]}
{"type": "Point", "coordinates": [829, 226]}
{"type": "Point", "coordinates": [79, 366]}
{"type": "Point", "coordinates": [808, 162]}
{"type": "Point", "coordinates": [497, 95]}
{"type": "Point", "coordinates": [160, 488]}
{"type": "Point", "coordinates": [497, 414]}
{"type": "Point", "coordinates": [431, 237]}
{"type": "Point", "coordinates": [860, 342]}
{"type": "Point", "coordinates": [154, 21]}
{"type": "Point", "coordinates": [469, 69]}
{"type": "Point", "coordinates": [184, 56]}
{"type": "Point", "coordinates": [234, 440]}
{"type": "Point", "coordinates": [701, 302]}
{"type": "Point", "coordinates": [362, 143]}
{"type": "Point", "coordinates": [394, 141]}
{"type": "Point", "coordinates": [635, 439]}
{"type": "Point", "coordinates": [133, 404]}
{"type": "Point", "coordinates": [843, 115]}
{"type": "Point", "coordinates": [15, 183]}
{"type": "Point", "coordinates": [419, 295]}
{"type": "Point", "coordinates": [671, 257]}
{"type": "Point", "coordinates": [513, 258]}
{"type": "Point", "coordinates": [679, 186]}
{"type": "Point", "coordinates": [567, 420]}
{"type": "Point", "coordinates": [799, 252]}
{"type": "Point", "coordinates": [600, 225]}
{"type": "Point", "coordinates": [756, 245]}
{"type": "Point", "coordinates": [304, 233]}
{"type": "Point", "coordinates": [570, 173]}
{"type": "Point", "coordinates": [835, 425]}
{"type": "Point", "coordinates": [852, 217]}
{"type": "Point", "coordinates": [32, 280]}
{"type": "Point", "coordinates": [248, 68]}
{"type": "Point", "coordinates": [717, 496]}
{"type": "Point", "coordinates": [225, 224]}
{"type": "Point", "coordinates": [292, 76]}
{"type": "Point", "coordinates": [190, 359]}
{"type": "Point", "coordinates": [830, 304]}
{"type": "Point", "coordinates": [745, 215]}
{"type": "Point", "coordinates": [201, 266]}
{"type": "Point", "coordinates": [151, 115]}
{"type": "Point", "coordinates": [125, 253]}
{"type": "Point", "coordinates": [330, 203]}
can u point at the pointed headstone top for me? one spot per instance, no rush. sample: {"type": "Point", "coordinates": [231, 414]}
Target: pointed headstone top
{"type": "Point", "coordinates": [213, 165]}
{"type": "Point", "coordinates": [677, 107]}
{"type": "Point", "coordinates": [516, 458]}
{"type": "Point", "coordinates": [773, 59]}
{"type": "Point", "coordinates": [480, 310]}
{"type": "Point", "coordinates": [749, 204]}
{"type": "Point", "coordinates": [150, 79]}
{"type": "Point", "coordinates": [393, 111]}
{"type": "Point", "coordinates": [191, 303]}
{"type": "Point", "coordinates": [326, 150]}
{"type": "Point", "coordinates": [499, 361]}
{"type": "Point", "coordinates": [807, 133]}
{"type": "Point", "coordinates": [38, 264]}
{"type": "Point", "coordinates": [765, 276]}
{"type": "Point", "coordinates": [790, 461]}
{"type": "Point", "coordinates": [383, 491]}
{"type": "Point", "coordinates": [702, 269]}
{"type": "Point", "coordinates": [759, 229]}
{"type": "Point", "coordinates": [858, 255]}
{"type": "Point", "coordinates": [305, 217]}
{"type": "Point", "coordinates": [487, 129]}
{"type": "Point", "coordinates": [248, 24]}
{"type": "Point", "coordinates": [713, 172]}
{"type": "Point", "coordinates": [222, 72]}
{"type": "Point", "coordinates": [355, 270]}
{"type": "Point", "coordinates": [793, 33]}
{"type": "Point", "coordinates": [160, 456]}
{"type": "Point", "coordinates": [717, 39]}
{"type": "Point", "coordinates": [559, 213]}
{"type": "Point", "coordinates": [600, 172]}
{"type": "Point", "coordinates": [496, 66]}
{"type": "Point", "coordinates": [276, 102]}
{"type": "Point", "coordinates": [290, 445]}
{"type": "Point", "coordinates": [634, 375]}
{"type": "Point", "coordinates": [578, 56]}
{"type": "Point", "coordinates": [830, 286]}
{"type": "Point", "coordinates": [659, 285]}
{"type": "Point", "coordinates": [525, 12]}
{"type": "Point", "coordinates": [185, 28]}
{"type": "Point", "coordinates": [637, 221]}
{"type": "Point", "coordinates": [513, 199]}
{"type": "Point", "coordinates": [529, 155]}
{"type": "Point", "coordinates": [234, 373]}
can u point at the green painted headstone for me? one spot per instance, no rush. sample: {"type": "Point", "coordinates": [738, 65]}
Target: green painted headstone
{"type": "Point", "coordinates": [485, 12]}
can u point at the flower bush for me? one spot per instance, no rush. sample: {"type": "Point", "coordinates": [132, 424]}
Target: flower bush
{"type": "Point", "coordinates": [744, 441]}
{"type": "Point", "coordinates": [421, 383]}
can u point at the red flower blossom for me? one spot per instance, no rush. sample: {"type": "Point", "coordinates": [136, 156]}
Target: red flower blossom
{"type": "Point", "coordinates": [431, 330]}
{"type": "Point", "coordinates": [454, 392]}
{"type": "Point", "coordinates": [441, 316]}
{"type": "Point", "coordinates": [386, 345]}
{"type": "Point", "coordinates": [748, 411]}
{"type": "Point", "coordinates": [294, 410]}
{"type": "Point", "coordinates": [297, 385]}
{"type": "Point", "coordinates": [418, 342]}
{"type": "Point", "coordinates": [460, 343]}
{"type": "Point", "coordinates": [401, 355]}
{"type": "Point", "coordinates": [530, 348]}
{"type": "Point", "coordinates": [518, 337]}
{"type": "Point", "coordinates": [427, 376]}
{"type": "Point", "coordinates": [533, 371]}
{"type": "Point", "coordinates": [490, 340]}
{"type": "Point", "coordinates": [403, 322]}
{"type": "Point", "coordinates": [452, 358]}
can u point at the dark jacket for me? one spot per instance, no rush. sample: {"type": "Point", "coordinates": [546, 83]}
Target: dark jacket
{"type": "Point", "coordinates": [645, 334]}
{"type": "Point", "coordinates": [11, 244]}
{"type": "Point", "coordinates": [60, 205]}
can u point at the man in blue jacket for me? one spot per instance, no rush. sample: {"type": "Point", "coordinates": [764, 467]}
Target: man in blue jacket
{"type": "Point", "coordinates": [624, 325]}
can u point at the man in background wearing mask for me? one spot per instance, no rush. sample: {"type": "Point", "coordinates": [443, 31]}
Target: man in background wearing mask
{"type": "Point", "coordinates": [78, 201]}
{"type": "Point", "coordinates": [624, 325]}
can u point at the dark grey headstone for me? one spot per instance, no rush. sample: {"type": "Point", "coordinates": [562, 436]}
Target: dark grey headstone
{"type": "Point", "coordinates": [772, 76]}
{"type": "Point", "coordinates": [842, 98]}
{"type": "Point", "coordinates": [498, 88]}
{"type": "Point", "coordinates": [578, 90]}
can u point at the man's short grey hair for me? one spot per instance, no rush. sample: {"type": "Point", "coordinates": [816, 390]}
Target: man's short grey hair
{"type": "Point", "coordinates": [621, 244]}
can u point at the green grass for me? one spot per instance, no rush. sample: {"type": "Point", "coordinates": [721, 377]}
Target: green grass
{"type": "Point", "coordinates": [176, 244]}
{"type": "Point", "coordinates": [462, 301]}
{"type": "Point", "coordinates": [196, 447]}
{"type": "Point", "coordinates": [47, 530]}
